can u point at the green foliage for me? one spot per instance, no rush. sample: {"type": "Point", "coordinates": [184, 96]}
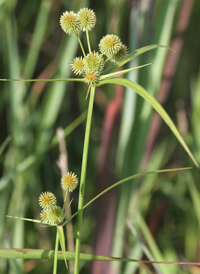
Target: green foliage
{"type": "Point", "coordinates": [33, 46]}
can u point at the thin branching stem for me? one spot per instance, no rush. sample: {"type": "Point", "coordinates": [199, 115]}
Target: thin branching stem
{"type": "Point", "coordinates": [79, 40]}
{"type": "Point", "coordinates": [65, 199]}
{"type": "Point", "coordinates": [88, 40]}
{"type": "Point", "coordinates": [56, 254]}
{"type": "Point", "coordinates": [83, 178]}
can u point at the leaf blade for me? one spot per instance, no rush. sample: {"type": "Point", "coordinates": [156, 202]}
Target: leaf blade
{"type": "Point", "coordinates": [148, 97]}
{"type": "Point", "coordinates": [131, 56]}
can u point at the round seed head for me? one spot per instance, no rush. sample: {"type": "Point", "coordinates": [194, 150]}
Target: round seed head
{"type": "Point", "coordinates": [120, 55]}
{"type": "Point", "coordinates": [44, 215]}
{"type": "Point", "coordinates": [69, 181]}
{"type": "Point", "coordinates": [47, 200]}
{"type": "Point", "coordinates": [77, 65]}
{"type": "Point", "coordinates": [91, 78]}
{"type": "Point", "coordinates": [55, 215]}
{"type": "Point", "coordinates": [93, 62]}
{"type": "Point", "coordinates": [87, 19]}
{"type": "Point", "coordinates": [70, 23]}
{"type": "Point", "coordinates": [110, 44]}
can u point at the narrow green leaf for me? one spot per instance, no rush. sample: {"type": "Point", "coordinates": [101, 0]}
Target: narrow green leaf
{"type": "Point", "coordinates": [131, 56]}
{"type": "Point", "coordinates": [62, 242]}
{"type": "Point", "coordinates": [126, 180]}
{"type": "Point", "coordinates": [49, 254]}
{"type": "Point", "coordinates": [68, 206]}
{"type": "Point", "coordinates": [5, 143]}
{"type": "Point", "coordinates": [44, 80]}
{"type": "Point", "coordinates": [148, 97]}
{"type": "Point", "coordinates": [26, 219]}
{"type": "Point", "coordinates": [115, 74]}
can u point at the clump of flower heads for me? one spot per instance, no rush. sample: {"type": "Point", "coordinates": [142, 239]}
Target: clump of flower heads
{"type": "Point", "coordinates": [92, 64]}
{"type": "Point", "coordinates": [51, 213]}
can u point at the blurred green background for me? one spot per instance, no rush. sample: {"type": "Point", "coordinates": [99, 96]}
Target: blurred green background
{"type": "Point", "coordinates": [127, 137]}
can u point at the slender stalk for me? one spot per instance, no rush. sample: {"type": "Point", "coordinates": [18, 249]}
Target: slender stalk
{"type": "Point", "coordinates": [88, 40]}
{"type": "Point", "coordinates": [123, 181]}
{"type": "Point", "coordinates": [79, 40]}
{"type": "Point", "coordinates": [82, 181]}
{"type": "Point", "coordinates": [65, 199]}
{"type": "Point", "coordinates": [56, 254]}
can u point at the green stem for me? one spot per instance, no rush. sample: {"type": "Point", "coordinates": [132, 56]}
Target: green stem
{"type": "Point", "coordinates": [56, 254]}
{"type": "Point", "coordinates": [65, 199]}
{"type": "Point", "coordinates": [88, 40]}
{"type": "Point", "coordinates": [82, 181]}
{"type": "Point", "coordinates": [79, 40]}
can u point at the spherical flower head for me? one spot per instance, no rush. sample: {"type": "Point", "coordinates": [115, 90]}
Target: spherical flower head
{"type": "Point", "coordinates": [110, 44]}
{"type": "Point", "coordinates": [77, 65]}
{"type": "Point", "coordinates": [91, 78]}
{"type": "Point", "coordinates": [69, 181]}
{"type": "Point", "coordinates": [120, 55]}
{"type": "Point", "coordinates": [44, 216]}
{"type": "Point", "coordinates": [47, 200]}
{"type": "Point", "coordinates": [70, 23]}
{"type": "Point", "coordinates": [87, 19]}
{"type": "Point", "coordinates": [53, 215]}
{"type": "Point", "coordinates": [93, 62]}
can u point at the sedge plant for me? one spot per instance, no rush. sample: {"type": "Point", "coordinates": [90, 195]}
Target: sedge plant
{"type": "Point", "coordinates": [94, 68]}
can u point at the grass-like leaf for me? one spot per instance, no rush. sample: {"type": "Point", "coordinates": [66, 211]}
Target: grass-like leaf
{"type": "Point", "coordinates": [131, 56]}
{"type": "Point", "coordinates": [44, 80]}
{"type": "Point", "coordinates": [49, 254]}
{"type": "Point", "coordinates": [148, 97]}
{"type": "Point", "coordinates": [5, 143]}
{"type": "Point", "coordinates": [126, 180]}
{"type": "Point", "coordinates": [62, 242]}
{"type": "Point", "coordinates": [27, 219]}
{"type": "Point", "coordinates": [115, 74]}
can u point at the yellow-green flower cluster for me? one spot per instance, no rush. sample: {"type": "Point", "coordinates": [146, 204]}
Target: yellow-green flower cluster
{"type": "Point", "coordinates": [51, 213]}
{"type": "Point", "coordinates": [89, 67]}
{"type": "Point", "coordinates": [92, 64]}
{"type": "Point", "coordinates": [111, 46]}
{"type": "Point", "coordinates": [72, 22]}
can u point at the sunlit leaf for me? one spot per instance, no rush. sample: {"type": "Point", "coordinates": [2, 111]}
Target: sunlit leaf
{"type": "Point", "coordinates": [131, 56]}
{"type": "Point", "coordinates": [148, 97]}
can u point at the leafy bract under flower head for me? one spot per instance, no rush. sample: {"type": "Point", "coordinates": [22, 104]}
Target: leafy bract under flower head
{"type": "Point", "coordinates": [47, 200]}
{"type": "Point", "coordinates": [69, 181]}
{"type": "Point", "coordinates": [87, 19]}
{"type": "Point", "coordinates": [70, 23]}
{"type": "Point", "coordinates": [110, 45]}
